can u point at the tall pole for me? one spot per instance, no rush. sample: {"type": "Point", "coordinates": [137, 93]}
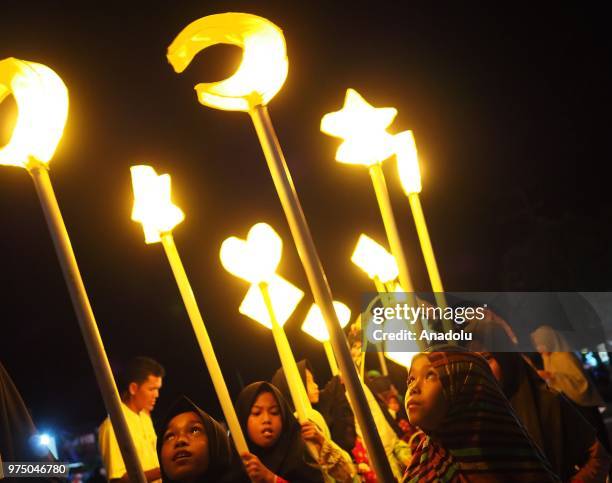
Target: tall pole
{"type": "Point", "coordinates": [427, 248]}
{"type": "Point", "coordinates": [204, 342]}
{"type": "Point", "coordinates": [319, 287]}
{"type": "Point", "coordinates": [290, 368]}
{"type": "Point", "coordinates": [86, 319]}
{"type": "Point", "coordinates": [329, 352]}
{"type": "Point", "coordinates": [395, 243]}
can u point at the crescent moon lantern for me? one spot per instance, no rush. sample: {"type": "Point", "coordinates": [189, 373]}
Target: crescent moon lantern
{"type": "Point", "coordinates": [42, 104]}
{"type": "Point", "coordinates": [264, 65]}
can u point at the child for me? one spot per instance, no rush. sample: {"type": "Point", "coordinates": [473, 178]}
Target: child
{"type": "Point", "coordinates": [335, 462]}
{"type": "Point", "coordinates": [278, 453]}
{"type": "Point", "coordinates": [330, 401]}
{"type": "Point", "coordinates": [469, 432]}
{"type": "Point", "coordinates": [193, 447]}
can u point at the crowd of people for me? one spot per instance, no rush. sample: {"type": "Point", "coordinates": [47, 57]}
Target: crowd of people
{"type": "Point", "coordinates": [469, 414]}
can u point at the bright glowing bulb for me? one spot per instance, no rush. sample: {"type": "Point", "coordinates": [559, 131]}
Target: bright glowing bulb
{"type": "Point", "coordinates": [373, 259]}
{"type": "Point", "coordinates": [408, 162]}
{"type": "Point", "coordinates": [264, 65]}
{"type": "Point", "coordinates": [401, 358]}
{"type": "Point", "coordinates": [42, 105]}
{"type": "Point", "coordinates": [363, 128]}
{"type": "Point", "coordinates": [256, 258]}
{"type": "Point", "coordinates": [314, 323]}
{"type": "Point", "coordinates": [152, 203]}
{"type": "Point", "coordinates": [284, 296]}
{"type": "Point", "coordinates": [44, 439]}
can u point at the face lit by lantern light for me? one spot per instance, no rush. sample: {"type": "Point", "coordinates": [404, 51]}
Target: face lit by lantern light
{"type": "Point", "coordinates": [373, 259]}
{"type": "Point", "coordinates": [363, 128]}
{"type": "Point", "coordinates": [407, 162]}
{"type": "Point", "coordinates": [314, 323]}
{"type": "Point", "coordinates": [42, 104]}
{"type": "Point", "coordinates": [152, 203]}
{"type": "Point", "coordinates": [264, 65]}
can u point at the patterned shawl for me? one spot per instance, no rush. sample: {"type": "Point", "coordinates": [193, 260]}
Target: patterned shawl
{"type": "Point", "coordinates": [480, 439]}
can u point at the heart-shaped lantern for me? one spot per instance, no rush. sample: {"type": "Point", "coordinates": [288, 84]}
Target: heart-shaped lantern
{"type": "Point", "coordinates": [256, 258]}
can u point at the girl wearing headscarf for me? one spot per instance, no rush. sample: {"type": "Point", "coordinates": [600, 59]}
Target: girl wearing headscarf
{"type": "Point", "coordinates": [330, 401]}
{"type": "Point", "coordinates": [563, 372]}
{"type": "Point", "coordinates": [278, 452]}
{"type": "Point", "coordinates": [469, 431]}
{"type": "Point", "coordinates": [566, 438]}
{"type": "Point", "coordinates": [193, 447]}
{"type": "Point", "coordinates": [335, 462]}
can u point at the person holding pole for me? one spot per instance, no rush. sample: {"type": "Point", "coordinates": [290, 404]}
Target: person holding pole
{"type": "Point", "coordinates": [139, 384]}
{"type": "Point", "coordinates": [335, 462]}
{"type": "Point", "coordinates": [277, 452]}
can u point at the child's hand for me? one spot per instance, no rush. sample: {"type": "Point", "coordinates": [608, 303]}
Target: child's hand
{"type": "Point", "coordinates": [256, 470]}
{"type": "Point", "coordinates": [311, 434]}
{"type": "Point", "coordinates": [546, 375]}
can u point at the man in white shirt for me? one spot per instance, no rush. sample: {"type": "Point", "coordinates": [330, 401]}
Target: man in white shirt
{"type": "Point", "coordinates": [139, 385]}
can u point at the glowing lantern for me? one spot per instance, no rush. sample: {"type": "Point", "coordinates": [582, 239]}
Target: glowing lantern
{"type": "Point", "coordinates": [314, 324]}
{"type": "Point", "coordinates": [256, 258]}
{"type": "Point", "coordinates": [264, 65]}
{"type": "Point", "coordinates": [284, 296]}
{"type": "Point", "coordinates": [408, 162]}
{"type": "Point", "coordinates": [363, 128]}
{"type": "Point", "coordinates": [373, 259]}
{"type": "Point", "coordinates": [42, 104]}
{"type": "Point", "coordinates": [152, 203]}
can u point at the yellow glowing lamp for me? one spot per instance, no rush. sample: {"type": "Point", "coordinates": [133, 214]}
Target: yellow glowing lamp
{"type": "Point", "coordinates": [401, 358]}
{"type": "Point", "coordinates": [152, 203]}
{"type": "Point", "coordinates": [42, 104]}
{"type": "Point", "coordinates": [314, 323]}
{"type": "Point", "coordinates": [264, 65]}
{"type": "Point", "coordinates": [256, 258]}
{"type": "Point", "coordinates": [373, 259]}
{"type": "Point", "coordinates": [284, 296]}
{"type": "Point", "coordinates": [408, 162]}
{"type": "Point", "coordinates": [363, 128]}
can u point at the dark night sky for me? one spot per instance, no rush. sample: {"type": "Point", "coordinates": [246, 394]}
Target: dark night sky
{"type": "Point", "coordinates": [510, 107]}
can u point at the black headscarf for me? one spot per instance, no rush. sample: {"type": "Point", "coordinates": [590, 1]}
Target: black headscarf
{"type": "Point", "coordinates": [288, 457]}
{"type": "Point", "coordinates": [220, 461]}
{"type": "Point", "coordinates": [333, 405]}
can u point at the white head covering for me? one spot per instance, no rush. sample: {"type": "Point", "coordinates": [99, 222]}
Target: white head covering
{"type": "Point", "coordinates": [568, 376]}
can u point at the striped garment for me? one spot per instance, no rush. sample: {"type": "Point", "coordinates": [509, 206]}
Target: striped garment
{"type": "Point", "coordinates": [480, 439]}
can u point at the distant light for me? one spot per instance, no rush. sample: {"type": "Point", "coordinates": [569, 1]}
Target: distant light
{"type": "Point", "coordinates": [44, 443]}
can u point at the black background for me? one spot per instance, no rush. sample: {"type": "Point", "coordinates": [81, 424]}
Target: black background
{"type": "Point", "coordinates": [509, 104]}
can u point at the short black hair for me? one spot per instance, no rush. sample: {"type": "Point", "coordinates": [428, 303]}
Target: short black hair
{"type": "Point", "coordinates": [138, 369]}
